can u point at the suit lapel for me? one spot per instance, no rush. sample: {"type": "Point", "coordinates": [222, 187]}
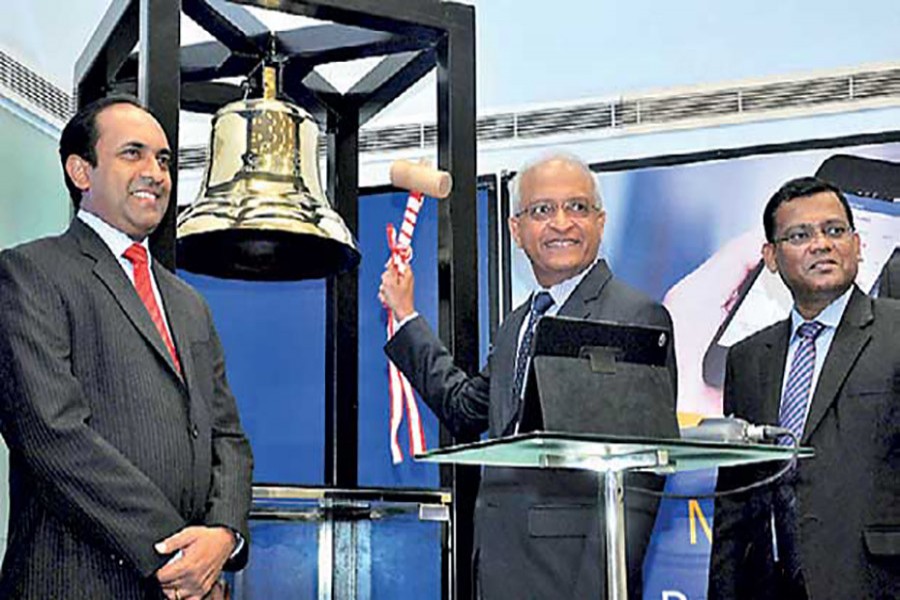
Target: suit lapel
{"type": "Point", "coordinates": [852, 335]}
{"type": "Point", "coordinates": [504, 367]}
{"type": "Point", "coordinates": [108, 270]}
{"type": "Point", "coordinates": [584, 296]}
{"type": "Point", "coordinates": [771, 373]}
{"type": "Point", "coordinates": [176, 318]}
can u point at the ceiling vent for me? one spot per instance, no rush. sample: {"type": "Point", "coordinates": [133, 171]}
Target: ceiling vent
{"type": "Point", "coordinates": [708, 105]}
{"type": "Point", "coordinates": [390, 138]}
{"type": "Point", "coordinates": [34, 89]}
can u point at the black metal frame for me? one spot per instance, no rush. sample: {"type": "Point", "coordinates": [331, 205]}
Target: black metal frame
{"type": "Point", "coordinates": [413, 36]}
{"type": "Point", "coordinates": [496, 226]}
{"type": "Point", "coordinates": [506, 242]}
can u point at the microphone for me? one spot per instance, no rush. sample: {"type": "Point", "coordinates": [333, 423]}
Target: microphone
{"type": "Point", "coordinates": [734, 430]}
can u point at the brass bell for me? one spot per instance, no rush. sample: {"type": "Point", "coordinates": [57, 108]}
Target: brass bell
{"type": "Point", "coordinates": [261, 213]}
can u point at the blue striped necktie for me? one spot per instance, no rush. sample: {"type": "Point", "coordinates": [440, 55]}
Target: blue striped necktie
{"type": "Point", "coordinates": [541, 302]}
{"type": "Point", "coordinates": [795, 398]}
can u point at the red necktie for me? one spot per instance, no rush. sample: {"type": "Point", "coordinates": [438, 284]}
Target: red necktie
{"type": "Point", "coordinates": [138, 257]}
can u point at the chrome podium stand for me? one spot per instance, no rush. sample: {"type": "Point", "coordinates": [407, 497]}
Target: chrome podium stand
{"type": "Point", "coordinates": [611, 456]}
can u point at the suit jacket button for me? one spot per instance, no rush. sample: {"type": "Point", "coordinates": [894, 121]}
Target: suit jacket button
{"type": "Point", "coordinates": [195, 431]}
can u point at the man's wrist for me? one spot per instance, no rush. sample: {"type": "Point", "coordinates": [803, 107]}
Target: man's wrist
{"type": "Point", "coordinates": [403, 314]}
{"type": "Point", "coordinates": [237, 540]}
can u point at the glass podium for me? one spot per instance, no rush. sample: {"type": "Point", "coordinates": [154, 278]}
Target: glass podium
{"type": "Point", "coordinates": [611, 456]}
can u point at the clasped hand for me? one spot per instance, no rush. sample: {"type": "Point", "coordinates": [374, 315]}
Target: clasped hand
{"type": "Point", "coordinates": [199, 555]}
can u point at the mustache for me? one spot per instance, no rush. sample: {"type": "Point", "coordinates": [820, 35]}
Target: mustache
{"type": "Point", "coordinates": [147, 185]}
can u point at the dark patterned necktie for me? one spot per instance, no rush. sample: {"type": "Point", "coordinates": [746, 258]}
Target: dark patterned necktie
{"type": "Point", "coordinates": [541, 302]}
{"type": "Point", "coordinates": [794, 400]}
{"type": "Point", "coordinates": [792, 416]}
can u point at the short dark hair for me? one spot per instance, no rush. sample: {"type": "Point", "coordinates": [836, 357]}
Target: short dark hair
{"type": "Point", "coordinates": [80, 135]}
{"type": "Point", "coordinates": [800, 187]}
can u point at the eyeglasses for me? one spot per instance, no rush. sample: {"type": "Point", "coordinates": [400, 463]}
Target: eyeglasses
{"type": "Point", "coordinates": [802, 235]}
{"type": "Point", "coordinates": [574, 208]}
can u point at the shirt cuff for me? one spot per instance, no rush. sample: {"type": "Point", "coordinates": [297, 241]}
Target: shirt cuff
{"type": "Point", "coordinates": [238, 544]}
{"type": "Point", "coordinates": [407, 319]}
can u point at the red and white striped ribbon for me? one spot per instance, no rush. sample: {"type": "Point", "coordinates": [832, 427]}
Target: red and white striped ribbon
{"type": "Point", "coordinates": [400, 389]}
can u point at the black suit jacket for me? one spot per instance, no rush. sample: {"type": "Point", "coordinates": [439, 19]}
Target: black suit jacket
{"type": "Point", "coordinates": [848, 494]}
{"type": "Point", "coordinates": [537, 534]}
{"type": "Point", "coordinates": [110, 449]}
{"type": "Point", "coordinates": [890, 277]}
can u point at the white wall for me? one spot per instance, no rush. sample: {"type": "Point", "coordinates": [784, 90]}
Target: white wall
{"type": "Point", "coordinates": [32, 203]}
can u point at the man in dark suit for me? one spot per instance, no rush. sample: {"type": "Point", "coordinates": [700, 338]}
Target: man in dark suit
{"type": "Point", "coordinates": [831, 374]}
{"type": "Point", "coordinates": [129, 470]}
{"type": "Point", "coordinates": [889, 286]}
{"type": "Point", "coordinates": [537, 535]}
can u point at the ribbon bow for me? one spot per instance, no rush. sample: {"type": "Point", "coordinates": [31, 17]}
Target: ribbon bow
{"type": "Point", "coordinates": [400, 244]}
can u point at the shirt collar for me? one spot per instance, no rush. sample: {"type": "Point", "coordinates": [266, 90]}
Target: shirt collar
{"type": "Point", "coordinates": [562, 290]}
{"type": "Point", "coordinates": [829, 317]}
{"type": "Point", "coordinates": [115, 240]}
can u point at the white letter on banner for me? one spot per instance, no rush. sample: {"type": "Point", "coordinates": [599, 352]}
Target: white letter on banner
{"type": "Point", "coordinates": [673, 595]}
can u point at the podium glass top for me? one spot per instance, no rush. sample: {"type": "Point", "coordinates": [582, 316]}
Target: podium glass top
{"type": "Point", "coordinates": [608, 453]}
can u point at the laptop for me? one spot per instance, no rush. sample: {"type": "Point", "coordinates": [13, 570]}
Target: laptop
{"type": "Point", "coordinates": [600, 377]}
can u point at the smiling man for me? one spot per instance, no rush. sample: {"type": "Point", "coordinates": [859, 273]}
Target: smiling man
{"type": "Point", "coordinates": [830, 373]}
{"type": "Point", "coordinates": [536, 534]}
{"type": "Point", "coordinates": [125, 180]}
{"type": "Point", "coordinates": [129, 470]}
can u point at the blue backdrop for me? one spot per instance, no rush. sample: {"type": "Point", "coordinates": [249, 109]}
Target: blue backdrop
{"type": "Point", "coordinates": [274, 340]}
